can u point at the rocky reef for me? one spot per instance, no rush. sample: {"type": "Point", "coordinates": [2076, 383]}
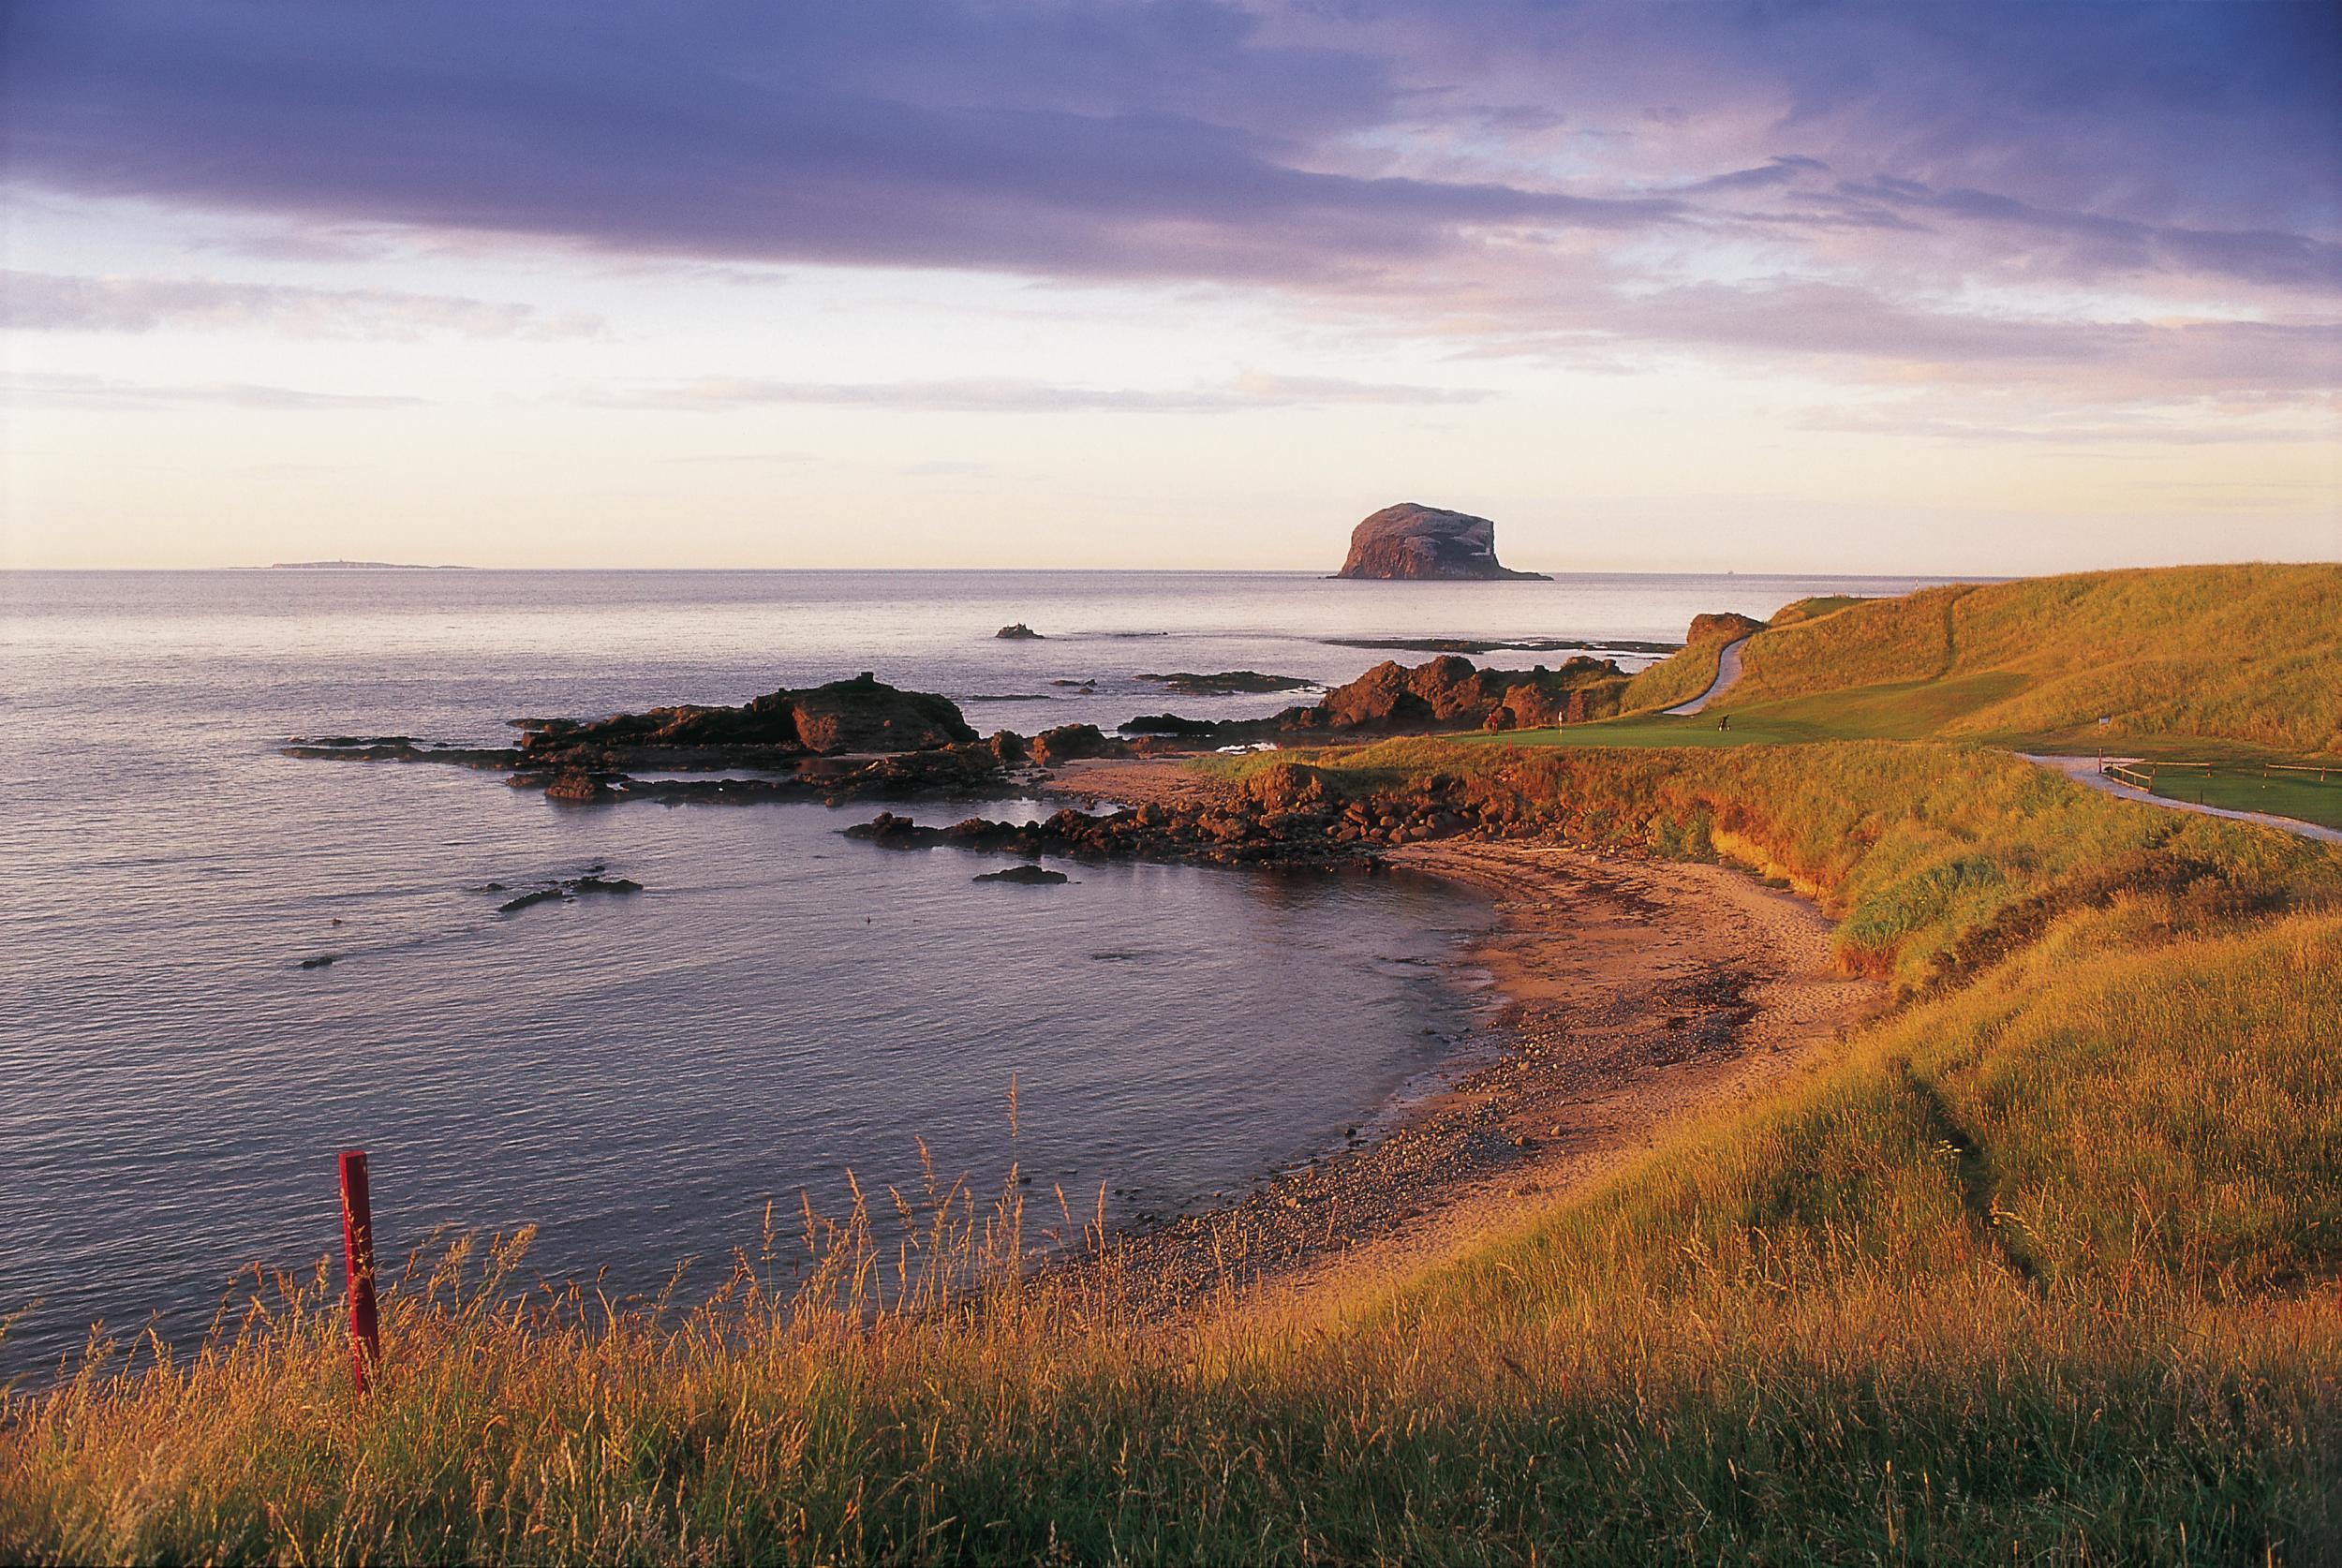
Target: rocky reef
{"type": "Point", "coordinates": [1224, 683]}
{"type": "Point", "coordinates": [862, 715]}
{"type": "Point", "coordinates": [863, 738]}
{"type": "Point", "coordinates": [1445, 693]}
{"type": "Point", "coordinates": [1286, 814]}
{"type": "Point", "coordinates": [1415, 542]}
{"type": "Point", "coordinates": [837, 741]}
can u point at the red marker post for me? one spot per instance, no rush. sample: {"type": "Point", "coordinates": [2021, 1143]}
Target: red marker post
{"type": "Point", "coordinates": [366, 1332]}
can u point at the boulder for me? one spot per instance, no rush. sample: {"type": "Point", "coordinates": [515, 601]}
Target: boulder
{"type": "Point", "coordinates": [1020, 632]}
{"type": "Point", "coordinates": [1288, 787]}
{"type": "Point", "coordinates": [579, 788]}
{"type": "Point", "coordinates": [1411, 541]}
{"type": "Point", "coordinates": [1068, 742]}
{"type": "Point", "coordinates": [866, 714]}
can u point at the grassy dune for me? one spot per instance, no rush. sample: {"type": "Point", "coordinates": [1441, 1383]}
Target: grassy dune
{"type": "Point", "coordinates": [2230, 655]}
{"type": "Point", "coordinates": [2041, 1267]}
{"type": "Point", "coordinates": [1681, 676]}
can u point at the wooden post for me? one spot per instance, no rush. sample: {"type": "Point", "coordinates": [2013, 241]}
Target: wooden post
{"type": "Point", "coordinates": [366, 1333]}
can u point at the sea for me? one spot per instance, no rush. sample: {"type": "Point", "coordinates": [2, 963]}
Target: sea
{"type": "Point", "coordinates": [638, 1077]}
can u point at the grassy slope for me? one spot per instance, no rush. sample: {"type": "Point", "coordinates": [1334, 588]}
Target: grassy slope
{"type": "Point", "coordinates": [1681, 676]}
{"type": "Point", "coordinates": [2039, 1269]}
{"type": "Point", "coordinates": [2239, 658]}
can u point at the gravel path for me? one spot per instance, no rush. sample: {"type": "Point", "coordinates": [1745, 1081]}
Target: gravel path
{"type": "Point", "coordinates": [1727, 671]}
{"type": "Point", "coordinates": [2084, 771]}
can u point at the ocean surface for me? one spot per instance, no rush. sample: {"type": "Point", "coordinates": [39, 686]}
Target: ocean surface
{"type": "Point", "coordinates": [637, 1077]}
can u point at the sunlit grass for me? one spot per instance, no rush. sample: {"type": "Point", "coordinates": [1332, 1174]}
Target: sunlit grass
{"type": "Point", "coordinates": [2041, 1267]}
{"type": "Point", "coordinates": [2240, 654]}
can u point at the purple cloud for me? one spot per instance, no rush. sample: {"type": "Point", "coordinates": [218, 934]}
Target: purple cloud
{"type": "Point", "coordinates": [1557, 173]}
{"type": "Point", "coordinates": [51, 302]}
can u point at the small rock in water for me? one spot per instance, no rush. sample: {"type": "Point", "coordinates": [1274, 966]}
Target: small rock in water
{"type": "Point", "coordinates": [542, 896]}
{"type": "Point", "coordinates": [1034, 875]}
{"type": "Point", "coordinates": [323, 960]}
{"type": "Point", "coordinates": [1019, 632]}
{"type": "Point", "coordinates": [603, 884]}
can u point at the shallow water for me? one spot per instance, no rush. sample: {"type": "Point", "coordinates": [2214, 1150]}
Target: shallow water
{"type": "Point", "coordinates": [638, 1074]}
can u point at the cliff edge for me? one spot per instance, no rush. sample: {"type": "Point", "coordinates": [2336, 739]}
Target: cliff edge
{"type": "Point", "coordinates": [1410, 541]}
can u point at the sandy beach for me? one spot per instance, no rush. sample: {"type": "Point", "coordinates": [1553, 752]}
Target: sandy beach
{"type": "Point", "coordinates": [1628, 996]}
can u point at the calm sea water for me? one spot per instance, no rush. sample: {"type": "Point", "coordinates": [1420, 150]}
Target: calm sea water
{"type": "Point", "coordinates": [637, 1077]}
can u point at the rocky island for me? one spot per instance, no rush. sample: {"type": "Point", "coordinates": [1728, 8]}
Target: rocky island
{"type": "Point", "coordinates": [1415, 542]}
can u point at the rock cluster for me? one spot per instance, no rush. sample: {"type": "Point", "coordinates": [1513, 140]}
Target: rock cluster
{"type": "Point", "coordinates": [863, 713]}
{"type": "Point", "coordinates": [1412, 542]}
{"type": "Point", "coordinates": [1288, 814]}
{"type": "Point", "coordinates": [1445, 693]}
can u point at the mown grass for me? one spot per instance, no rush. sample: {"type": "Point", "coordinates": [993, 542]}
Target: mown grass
{"type": "Point", "coordinates": [2240, 787]}
{"type": "Point", "coordinates": [2039, 1269]}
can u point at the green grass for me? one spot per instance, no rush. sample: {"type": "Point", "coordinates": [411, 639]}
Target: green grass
{"type": "Point", "coordinates": [2040, 1267]}
{"type": "Point", "coordinates": [2230, 665]}
{"type": "Point", "coordinates": [2247, 789]}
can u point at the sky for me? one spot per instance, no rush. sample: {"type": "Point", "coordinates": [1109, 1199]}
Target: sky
{"type": "Point", "coordinates": [1928, 288]}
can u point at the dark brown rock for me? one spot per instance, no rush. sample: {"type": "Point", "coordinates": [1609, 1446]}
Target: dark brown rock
{"type": "Point", "coordinates": [1026, 876]}
{"type": "Point", "coordinates": [863, 713]}
{"type": "Point", "coordinates": [1068, 742]}
{"type": "Point", "coordinates": [579, 788]}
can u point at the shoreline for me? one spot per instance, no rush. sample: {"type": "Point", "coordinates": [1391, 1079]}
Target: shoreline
{"type": "Point", "coordinates": [1634, 996]}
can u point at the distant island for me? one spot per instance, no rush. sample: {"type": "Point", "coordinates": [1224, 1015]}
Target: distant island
{"type": "Point", "coordinates": [1415, 542]}
{"type": "Point", "coordinates": [361, 566]}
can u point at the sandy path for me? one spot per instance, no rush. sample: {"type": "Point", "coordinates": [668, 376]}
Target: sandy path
{"type": "Point", "coordinates": [1728, 672]}
{"type": "Point", "coordinates": [2084, 772]}
{"type": "Point", "coordinates": [1636, 994]}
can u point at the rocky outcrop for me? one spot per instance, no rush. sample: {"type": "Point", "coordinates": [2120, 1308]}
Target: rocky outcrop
{"type": "Point", "coordinates": [1226, 683]}
{"type": "Point", "coordinates": [1020, 632]}
{"type": "Point", "coordinates": [1287, 813]}
{"type": "Point", "coordinates": [1445, 693]}
{"type": "Point", "coordinates": [1726, 627]}
{"type": "Point", "coordinates": [1071, 742]}
{"type": "Point", "coordinates": [1025, 876]}
{"type": "Point", "coordinates": [832, 742]}
{"type": "Point", "coordinates": [863, 713]}
{"type": "Point", "coordinates": [1415, 542]}
{"type": "Point", "coordinates": [397, 748]}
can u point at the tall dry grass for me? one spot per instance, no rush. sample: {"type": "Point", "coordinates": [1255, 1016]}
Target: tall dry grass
{"type": "Point", "coordinates": [2242, 654]}
{"type": "Point", "coordinates": [2040, 1268]}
